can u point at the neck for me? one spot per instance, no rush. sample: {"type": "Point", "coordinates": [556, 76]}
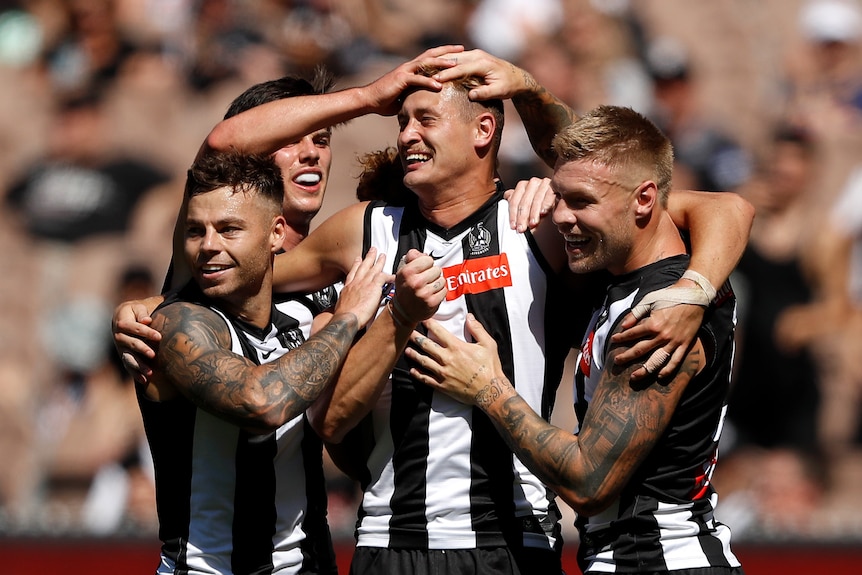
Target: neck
{"type": "Point", "coordinates": [294, 235]}
{"type": "Point", "coordinates": [254, 309]}
{"type": "Point", "coordinates": [448, 209]}
{"type": "Point", "coordinates": [657, 241]}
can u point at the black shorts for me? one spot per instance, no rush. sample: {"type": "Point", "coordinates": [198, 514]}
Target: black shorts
{"type": "Point", "coordinates": [484, 561]}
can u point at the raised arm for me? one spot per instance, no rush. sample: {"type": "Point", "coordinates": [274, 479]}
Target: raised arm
{"type": "Point", "coordinates": [266, 128]}
{"type": "Point", "coordinates": [719, 224]}
{"type": "Point", "coordinates": [588, 471]}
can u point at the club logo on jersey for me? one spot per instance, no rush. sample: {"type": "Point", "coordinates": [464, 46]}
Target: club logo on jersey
{"type": "Point", "coordinates": [477, 276]}
{"type": "Point", "coordinates": [291, 339]}
{"type": "Point", "coordinates": [479, 240]}
{"type": "Point", "coordinates": [325, 298]}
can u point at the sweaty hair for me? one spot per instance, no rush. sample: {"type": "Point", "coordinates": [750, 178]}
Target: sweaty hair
{"type": "Point", "coordinates": [471, 108]}
{"type": "Point", "coordinates": [245, 173]}
{"type": "Point", "coordinates": [623, 140]}
{"type": "Point", "coordinates": [280, 88]}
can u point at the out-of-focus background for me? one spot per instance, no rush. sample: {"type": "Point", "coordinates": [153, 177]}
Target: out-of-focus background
{"type": "Point", "coordinates": [104, 103]}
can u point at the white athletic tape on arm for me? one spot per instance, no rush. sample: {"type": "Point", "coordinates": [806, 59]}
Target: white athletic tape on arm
{"type": "Point", "coordinates": [669, 297]}
{"type": "Point", "coordinates": [700, 280]}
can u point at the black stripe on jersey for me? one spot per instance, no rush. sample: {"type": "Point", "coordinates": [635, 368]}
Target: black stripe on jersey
{"type": "Point", "coordinates": [254, 520]}
{"type": "Point", "coordinates": [254, 513]}
{"type": "Point", "coordinates": [171, 422]}
{"type": "Point", "coordinates": [411, 408]}
{"type": "Point", "coordinates": [318, 554]}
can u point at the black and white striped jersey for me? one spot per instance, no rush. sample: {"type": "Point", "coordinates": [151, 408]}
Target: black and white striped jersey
{"type": "Point", "coordinates": [439, 475]}
{"type": "Point", "coordinates": [230, 502]}
{"type": "Point", "coordinates": [663, 519]}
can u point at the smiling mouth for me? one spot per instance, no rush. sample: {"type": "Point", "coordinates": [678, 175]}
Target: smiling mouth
{"type": "Point", "coordinates": [308, 179]}
{"type": "Point", "coordinates": [416, 158]}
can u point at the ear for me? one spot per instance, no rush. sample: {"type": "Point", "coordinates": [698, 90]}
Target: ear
{"type": "Point", "coordinates": [278, 234]}
{"type": "Point", "coordinates": [646, 199]}
{"type": "Point", "coordinates": [486, 125]}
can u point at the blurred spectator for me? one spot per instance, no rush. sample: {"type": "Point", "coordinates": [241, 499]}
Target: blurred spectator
{"type": "Point", "coordinates": [825, 79]}
{"type": "Point", "coordinates": [96, 470]}
{"type": "Point", "coordinates": [505, 28]}
{"type": "Point", "coordinates": [843, 251]}
{"type": "Point", "coordinates": [706, 157]}
{"type": "Point", "coordinates": [773, 494]}
{"type": "Point", "coordinates": [780, 312]}
{"type": "Point", "coordinates": [78, 189]}
{"type": "Point", "coordinates": [91, 50]}
{"type": "Point", "coordinates": [404, 28]}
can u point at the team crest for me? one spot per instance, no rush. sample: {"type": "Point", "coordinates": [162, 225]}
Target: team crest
{"type": "Point", "coordinates": [479, 240]}
{"type": "Point", "coordinates": [292, 338]}
{"type": "Point", "coordinates": [324, 298]}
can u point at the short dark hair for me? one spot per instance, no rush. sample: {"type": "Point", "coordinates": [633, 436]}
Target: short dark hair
{"type": "Point", "coordinates": [285, 87]}
{"type": "Point", "coordinates": [241, 172]}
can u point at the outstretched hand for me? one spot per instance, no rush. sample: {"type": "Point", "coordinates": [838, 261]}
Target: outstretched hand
{"type": "Point", "coordinates": [465, 371]}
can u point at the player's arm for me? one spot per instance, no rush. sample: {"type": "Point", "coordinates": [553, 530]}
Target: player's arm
{"type": "Point", "coordinates": [588, 471]}
{"type": "Point", "coordinates": [419, 289]}
{"type": "Point", "coordinates": [195, 358]}
{"type": "Point", "coordinates": [266, 128]}
{"type": "Point", "coordinates": [325, 256]}
{"type": "Point", "coordinates": [719, 224]}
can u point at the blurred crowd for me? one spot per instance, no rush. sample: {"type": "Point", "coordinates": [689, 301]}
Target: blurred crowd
{"type": "Point", "coordinates": [104, 103]}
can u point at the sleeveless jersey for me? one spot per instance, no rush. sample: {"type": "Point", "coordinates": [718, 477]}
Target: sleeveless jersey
{"type": "Point", "coordinates": [663, 520]}
{"type": "Point", "coordinates": [231, 502]}
{"type": "Point", "coordinates": [439, 475]}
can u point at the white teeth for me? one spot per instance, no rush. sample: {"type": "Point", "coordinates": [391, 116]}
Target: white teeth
{"type": "Point", "coordinates": [308, 179]}
{"type": "Point", "coordinates": [417, 158]}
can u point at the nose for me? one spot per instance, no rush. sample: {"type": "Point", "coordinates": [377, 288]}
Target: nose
{"type": "Point", "coordinates": [561, 215]}
{"type": "Point", "coordinates": [408, 134]}
{"type": "Point", "coordinates": [210, 242]}
{"type": "Point", "coordinates": [308, 152]}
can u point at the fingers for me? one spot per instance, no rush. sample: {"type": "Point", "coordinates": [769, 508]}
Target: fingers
{"type": "Point", "coordinates": [529, 201]}
{"type": "Point", "coordinates": [478, 332]}
{"type": "Point", "coordinates": [438, 51]}
{"type": "Point", "coordinates": [656, 361]}
{"type": "Point", "coordinates": [139, 370]}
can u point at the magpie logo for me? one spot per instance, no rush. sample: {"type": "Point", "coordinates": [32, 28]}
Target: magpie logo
{"type": "Point", "coordinates": [479, 240]}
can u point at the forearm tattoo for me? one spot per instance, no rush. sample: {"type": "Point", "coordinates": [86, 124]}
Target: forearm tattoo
{"type": "Point", "coordinates": [622, 425]}
{"type": "Point", "coordinates": [195, 355]}
{"type": "Point", "coordinates": [491, 392]}
{"type": "Point", "coordinates": [543, 116]}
